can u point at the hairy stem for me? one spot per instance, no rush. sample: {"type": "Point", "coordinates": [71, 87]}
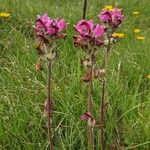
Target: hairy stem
{"type": "Point", "coordinates": [49, 107]}
{"type": "Point", "coordinates": [84, 9]}
{"type": "Point", "coordinates": [104, 99]}
{"type": "Point", "coordinates": [90, 130]}
{"type": "Point", "coordinates": [102, 110]}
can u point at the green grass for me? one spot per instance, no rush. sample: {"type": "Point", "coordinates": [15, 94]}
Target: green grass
{"type": "Point", "coordinates": [23, 90]}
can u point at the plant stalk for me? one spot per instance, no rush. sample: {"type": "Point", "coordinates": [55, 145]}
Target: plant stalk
{"type": "Point", "coordinates": [102, 118]}
{"type": "Point", "coordinates": [90, 130]}
{"type": "Point", "coordinates": [104, 99]}
{"type": "Point", "coordinates": [49, 107]}
{"type": "Point", "coordinates": [84, 9]}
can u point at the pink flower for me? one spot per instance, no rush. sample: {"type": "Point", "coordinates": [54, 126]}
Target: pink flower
{"type": "Point", "coordinates": [117, 17]}
{"type": "Point", "coordinates": [89, 118]}
{"type": "Point", "coordinates": [52, 30]}
{"type": "Point", "coordinates": [61, 24]}
{"type": "Point", "coordinates": [113, 17]}
{"type": "Point", "coordinates": [57, 26]}
{"type": "Point", "coordinates": [105, 16]}
{"type": "Point", "coordinates": [42, 24]}
{"type": "Point", "coordinates": [98, 31]}
{"type": "Point", "coordinates": [86, 116]}
{"type": "Point", "coordinates": [89, 34]}
{"type": "Point", "coordinates": [84, 27]}
{"type": "Point", "coordinates": [45, 26]}
{"type": "Point", "coordinates": [45, 19]}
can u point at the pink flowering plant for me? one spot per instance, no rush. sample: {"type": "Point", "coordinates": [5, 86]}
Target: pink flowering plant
{"type": "Point", "coordinates": [112, 18]}
{"type": "Point", "coordinates": [46, 26]}
{"type": "Point", "coordinates": [48, 32]}
{"type": "Point", "coordinates": [91, 37]}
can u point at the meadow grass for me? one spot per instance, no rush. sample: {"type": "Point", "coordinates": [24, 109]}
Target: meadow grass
{"type": "Point", "coordinates": [22, 89]}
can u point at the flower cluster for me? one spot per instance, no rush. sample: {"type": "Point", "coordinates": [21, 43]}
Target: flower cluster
{"type": "Point", "coordinates": [112, 17]}
{"type": "Point", "coordinates": [48, 31]}
{"type": "Point", "coordinates": [90, 34]}
{"type": "Point", "coordinates": [46, 26]}
{"type": "Point", "coordinates": [91, 37]}
{"type": "Point", "coordinates": [137, 31]}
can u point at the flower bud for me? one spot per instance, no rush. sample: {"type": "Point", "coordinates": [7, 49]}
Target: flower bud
{"type": "Point", "coordinates": [89, 118]}
{"type": "Point", "coordinates": [87, 62]}
{"type": "Point", "coordinates": [106, 42]}
{"type": "Point", "coordinates": [87, 77]}
{"type": "Point", "coordinates": [39, 67]}
{"type": "Point", "coordinates": [99, 73]}
{"type": "Point", "coordinates": [51, 56]}
{"type": "Point", "coordinates": [48, 108]}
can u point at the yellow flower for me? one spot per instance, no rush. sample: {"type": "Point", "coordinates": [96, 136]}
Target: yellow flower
{"type": "Point", "coordinates": [148, 76]}
{"type": "Point", "coordinates": [137, 30]}
{"type": "Point", "coordinates": [118, 35]}
{"type": "Point", "coordinates": [108, 7]}
{"type": "Point", "coordinates": [136, 13]}
{"type": "Point", "coordinates": [140, 38]}
{"type": "Point", "coordinates": [4, 14]}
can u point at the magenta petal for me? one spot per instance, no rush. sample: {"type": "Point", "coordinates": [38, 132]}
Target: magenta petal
{"type": "Point", "coordinates": [45, 19]}
{"type": "Point", "coordinates": [117, 17]}
{"type": "Point", "coordinates": [91, 23]}
{"type": "Point", "coordinates": [46, 26]}
{"type": "Point", "coordinates": [51, 31]}
{"type": "Point", "coordinates": [105, 16]}
{"type": "Point", "coordinates": [113, 17]}
{"type": "Point", "coordinates": [61, 25]}
{"type": "Point", "coordinates": [86, 116]}
{"type": "Point", "coordinates": [89, 118]}
{"type": "Point", "coordinates": [99, 31]}
{"type": "Point", "coordinates": [42, 24]}
{"type": "Point", "coordinates": [84, 27]}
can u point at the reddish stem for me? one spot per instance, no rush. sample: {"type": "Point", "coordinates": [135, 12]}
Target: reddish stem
{"type": "Point", "coordinates": [102, 118]}
{"type": "Point", "coordinates": [90, 130]}
{"type": "Point", "coordinates": [49, 107]}
{"type": "Point", "coordinates": [104, 94]}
